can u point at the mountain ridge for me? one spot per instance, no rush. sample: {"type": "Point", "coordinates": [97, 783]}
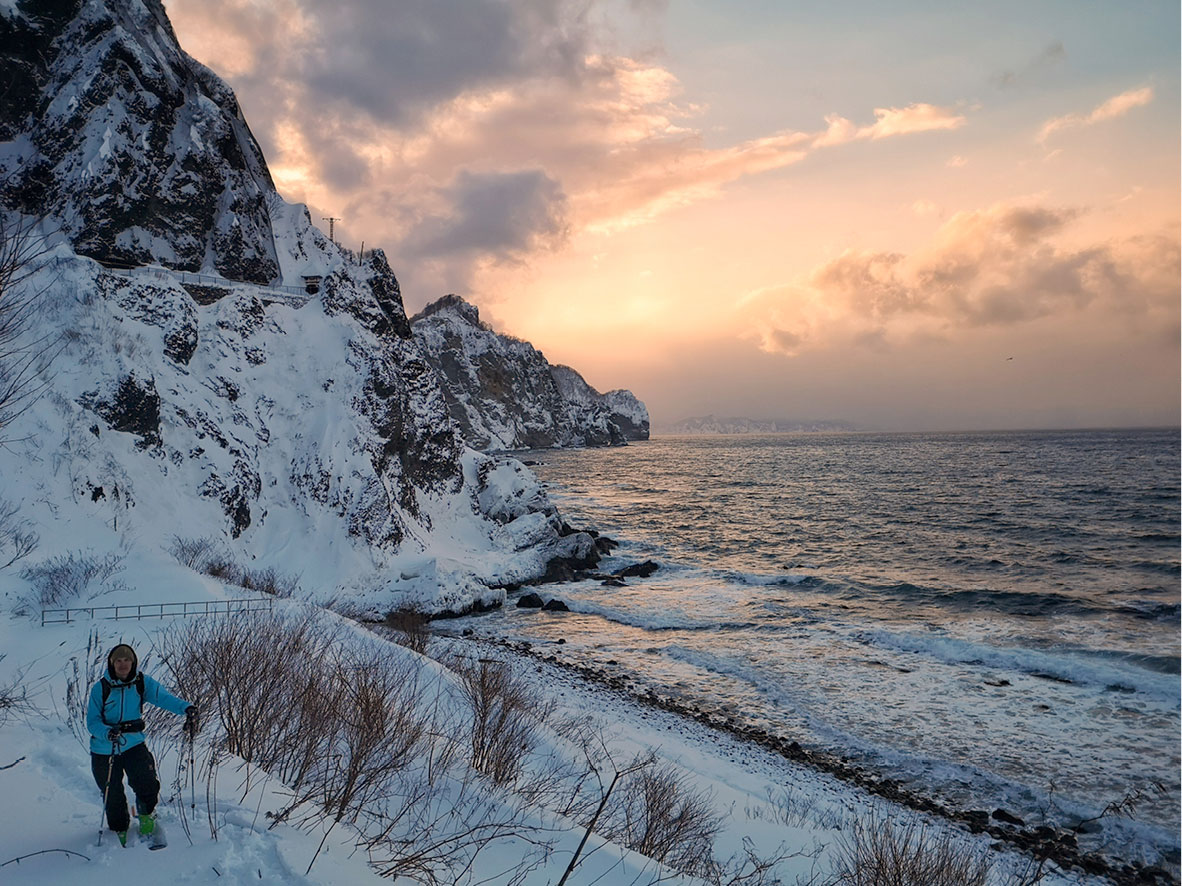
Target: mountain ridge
{"type": "Point", "coordinates": [504, 394]}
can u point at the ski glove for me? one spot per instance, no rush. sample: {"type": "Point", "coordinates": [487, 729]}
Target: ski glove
{"type": "Point", "coordinates": [114, 736]}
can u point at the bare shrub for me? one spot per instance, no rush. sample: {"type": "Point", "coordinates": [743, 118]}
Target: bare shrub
{"type": "Point", "coordinates": [269, 581]}
{"type": "Point", "coordinates": [14, 696]}
{"type": "Point", "coordinates": [410, 629]}
{"type": "Point", "coordinates": [25, 355]}
{"type": "Point", "coordinates": [264, 680]}
{"type": "Point", "coordinates": [222, 568]}
{"type": "Point", "coordinates": [192, 552]}
{"type": "Point", "coordinates": [203, 555]}
{"type": "Point", "coordinates": [506, 713]}
{"type": "Point", "coordinates": [69, 576]}
{"type": "Point", "coordinates": [879, 851]}
{"type": "Point", "coordinates": [660, 815]}
{"type": "Point", "coordinates": [83, 672]}
{"type": "Point", "coordinates": [17, 538]}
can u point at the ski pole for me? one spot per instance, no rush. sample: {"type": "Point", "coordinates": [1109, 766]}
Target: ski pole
{"type": "Point", "coordinates": [107, 789]}
{"type": "Point", "coordinates": [192, 774]}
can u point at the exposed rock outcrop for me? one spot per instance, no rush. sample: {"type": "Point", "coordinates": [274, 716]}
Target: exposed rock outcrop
{"type": "Point", "coordinates": [504, 395]}
{"type": "Point", "coordinates": [141, 153]}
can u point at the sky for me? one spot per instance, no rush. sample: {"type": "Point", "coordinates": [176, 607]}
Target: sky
{"type": "Point", "coordinates": [905, 216]}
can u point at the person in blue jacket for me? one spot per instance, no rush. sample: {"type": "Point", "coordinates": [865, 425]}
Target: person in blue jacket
{"type": "Point", "coordinates": [114, 718]}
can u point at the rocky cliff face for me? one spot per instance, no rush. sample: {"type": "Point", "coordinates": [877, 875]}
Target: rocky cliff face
{"type": "Point", "coordinates": [315, 439]}
{"type": "Point", "coordinates": [503, 394]}
{"type": "Point", "coordinates": [141, 152]}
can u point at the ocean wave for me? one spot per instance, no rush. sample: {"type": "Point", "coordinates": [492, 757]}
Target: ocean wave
{"type": "Point", "coordinates": [1020, 603]}
{"type": "Point", "coordinates": [1063, 667]}
{"type": "Point", "coordinates": [656, 621]}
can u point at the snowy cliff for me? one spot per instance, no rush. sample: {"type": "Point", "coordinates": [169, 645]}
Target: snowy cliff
{"type": "Point", "coordinates": [308, 437]}
{"type": "Point", "coordinates": [140, 153]}
{"type": "Point", "coordinates": [503, 394]}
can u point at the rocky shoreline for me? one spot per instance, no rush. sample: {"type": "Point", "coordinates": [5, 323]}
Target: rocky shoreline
{"type": "Point", "coordinates": [1056, 845]}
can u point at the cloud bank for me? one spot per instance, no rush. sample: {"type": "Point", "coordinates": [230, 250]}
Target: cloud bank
{"type": "Point", "coordinates": [460, 134]}
{"type": "Point", "coordinates": [1003, 266]}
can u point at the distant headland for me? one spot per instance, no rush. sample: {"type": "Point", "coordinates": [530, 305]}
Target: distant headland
{"type": "Point", "coordinates": [712, 424]}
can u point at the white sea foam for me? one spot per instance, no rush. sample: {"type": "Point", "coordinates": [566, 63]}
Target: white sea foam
{"type": "Point", "coordinates": [1066, 666]}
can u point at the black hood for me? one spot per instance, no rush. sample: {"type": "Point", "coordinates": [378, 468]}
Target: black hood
{"type": "Point", "coordinates": [135, 664]}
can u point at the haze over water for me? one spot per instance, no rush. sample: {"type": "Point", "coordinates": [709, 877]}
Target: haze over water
{"type": "Point", "coordinates": [983, 615]}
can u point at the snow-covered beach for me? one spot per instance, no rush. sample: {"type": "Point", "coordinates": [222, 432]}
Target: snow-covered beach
{"type": "Point", "coordinates": [767, 804]}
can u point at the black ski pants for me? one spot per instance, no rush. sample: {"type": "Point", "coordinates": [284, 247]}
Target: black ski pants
{"type": "Point", "coordinates": [140, 767]}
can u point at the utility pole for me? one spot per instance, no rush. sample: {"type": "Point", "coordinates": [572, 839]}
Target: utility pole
{"type": "Point", "coordinates": [331, 220]}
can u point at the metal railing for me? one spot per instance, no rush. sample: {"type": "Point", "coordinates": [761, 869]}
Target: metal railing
{"type": "Point", "coordinates": [295, 295]}
{"type": "Point", "coordinates": [157, 610]}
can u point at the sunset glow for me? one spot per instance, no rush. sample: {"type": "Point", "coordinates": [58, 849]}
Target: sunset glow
{"type": "Point", "coordinates": [748, 209]}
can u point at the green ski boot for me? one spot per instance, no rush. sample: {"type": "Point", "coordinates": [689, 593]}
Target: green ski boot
{"type": "Point", "coordinates": [122, 835]}
{"type": "Point", "coordinates": [147, 824]}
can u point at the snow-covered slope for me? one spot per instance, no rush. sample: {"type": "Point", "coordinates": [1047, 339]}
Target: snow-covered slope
{"type": "Point", "coordinates": [313, 439]}
{"type": "Point", "coordinates": [503, 393]}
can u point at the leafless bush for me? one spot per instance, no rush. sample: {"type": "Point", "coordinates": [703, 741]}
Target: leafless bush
{"type": "Point", "coordinates": [82, 672]}
{"type": "Point", "coordinates": [269, 581]}
{"type": "Point", "coordinates": [264, 680]}
{"type": "Point", "coordinates": [336, 723]}
{"type": "Point", "coordinates": [17, 538]}
{"type": "Point", "coordinates": [410, 629]}
{"type": "Point", "coordinates": [203, 555]}
{"type": "Point", "coordinates": [68, 576]}
{"type": "Point", "coordinates": [879, 851]}
{"type": "Point", "coordinates": [222, 568]}
{"type": "Point", "coordinates": [660, 815]}
{"type": "Point", "coordinates": [24, 354]}
{"type": "Point", "coordinates": [192, 552]}
{"type": "Point", "coordinates": [14, 696]}
{"type": "Point", "coordinates": [506, 713]}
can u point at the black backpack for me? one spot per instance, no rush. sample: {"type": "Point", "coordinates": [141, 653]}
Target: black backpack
{"type": "Point", "coordinates": [106, 684]}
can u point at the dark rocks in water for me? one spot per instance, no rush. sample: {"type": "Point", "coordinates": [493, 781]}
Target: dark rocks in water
{"type": "Point", "coordinates": [1054, 678]}
{"type": "Point", "coordinates": [976, 819]}
{"type": "Point", "coordinates": [579, 558]}
{"type": "Point", "coordinates": [640, 570]}
{"type": "Point", "coordinates": [529, 601]}
{"type": "Point", "coordinates": [614, 582]}
{"type": "Point", "coordinates": [557, 570]}
{"type": "Point", "coordinates": [605, 545]}
{"type": "Point", "coordinates": [1008, 818]}
{"type": "Point", "coordinates": [997, 682]}
{"type": "Point", "coordinates": [556, 605]}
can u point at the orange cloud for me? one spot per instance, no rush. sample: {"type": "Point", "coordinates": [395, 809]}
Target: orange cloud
{"type": "Point", "coordinates": [1117, 106]}
{"type": "Point", "coordinates": [997, 267]}
{"type": "Point", "coordinates": [914, 118]}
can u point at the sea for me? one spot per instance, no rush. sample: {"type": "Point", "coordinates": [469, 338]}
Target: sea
{"type": "Point", "coordinates": [990, 618]}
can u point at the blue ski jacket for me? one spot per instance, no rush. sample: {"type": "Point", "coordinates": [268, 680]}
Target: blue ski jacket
{"type": "Point", "coordinates": [124, 705]}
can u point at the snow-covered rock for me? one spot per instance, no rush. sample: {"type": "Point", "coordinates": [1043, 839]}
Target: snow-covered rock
{"type": "Point", "coordinates": [503, 394]}
{"type": "Point", "coordinates": [312, 438]}
{"type": "Point", "coordinates": [141, 153]}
